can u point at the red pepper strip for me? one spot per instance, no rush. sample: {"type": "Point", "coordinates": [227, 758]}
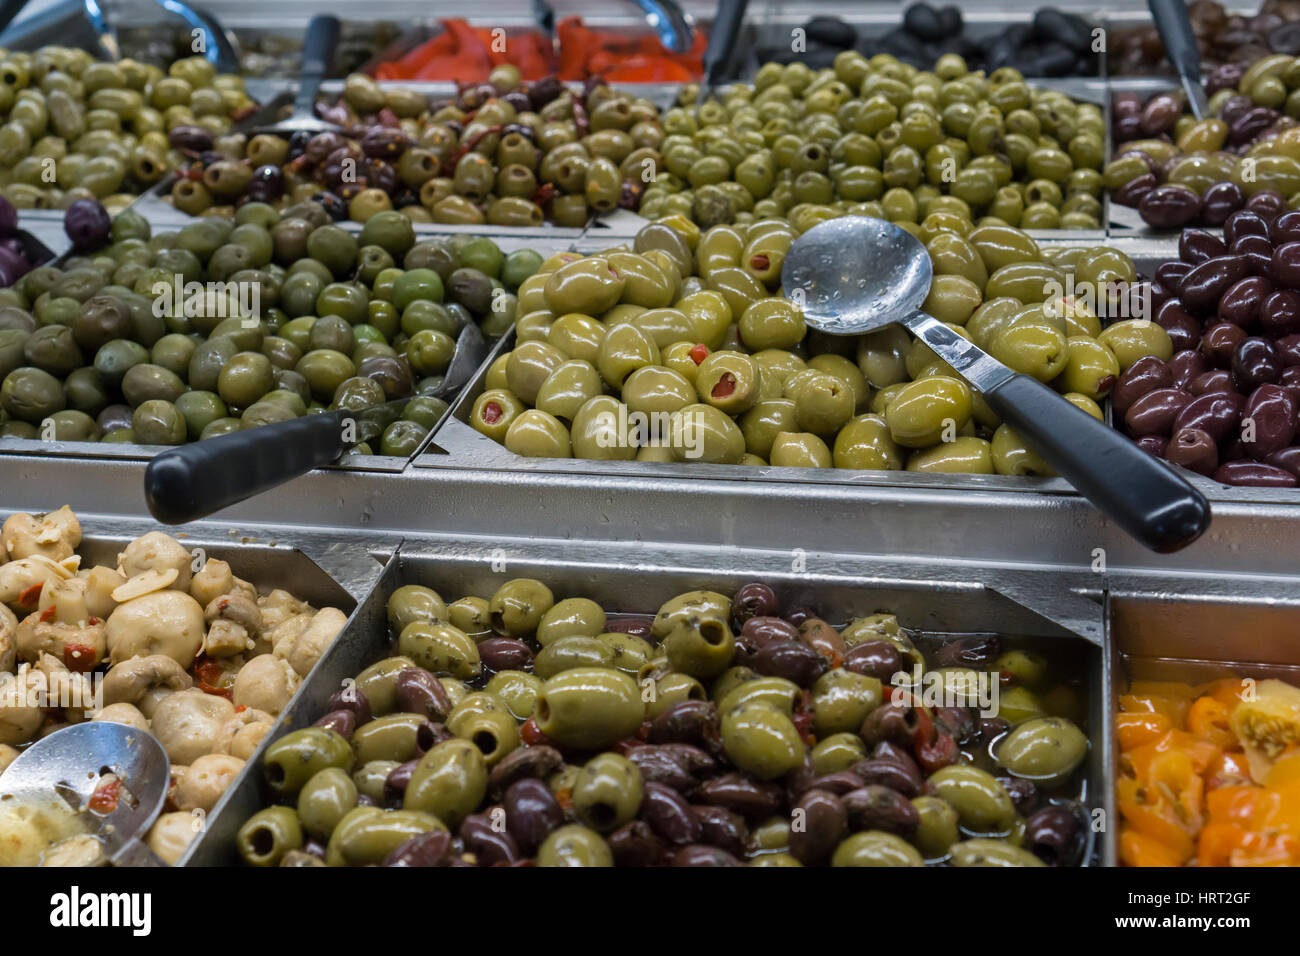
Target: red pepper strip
{"type": "Point", "coordinates": [530, 734]}
{"type": "Point", "coordinates": [104, 799]}
{"type": "Point", "coordinates": [934, 749]}
{"type": "Point", "coordinates": [48, 614]}
{"type": "Point", "coordinates": [79, 658]}
{"type": "Point", "coordinates": [29, 596]}
{"type": "Point", "coordinates": [544, 194]}
{"type": "Point", "coordinates": [449, 166]}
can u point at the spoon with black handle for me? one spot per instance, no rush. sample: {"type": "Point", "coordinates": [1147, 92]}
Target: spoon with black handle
{"type": "Point", "coordinates": [1175, 28]}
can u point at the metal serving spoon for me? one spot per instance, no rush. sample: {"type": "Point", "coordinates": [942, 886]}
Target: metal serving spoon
{"type": "Point", "coordinates": [70, 762]}
{"type": "Point", "coordinates": [317, 55]}
{"type": "Point", "coordinates": [1175, 29]}
{"type": "Point", "coordinates": [857, 274]}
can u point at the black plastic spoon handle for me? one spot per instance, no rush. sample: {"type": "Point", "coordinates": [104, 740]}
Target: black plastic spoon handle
{"type": "Point", "coordinates": [1140, 493]}
{"type": "Point", "coordinates": [722, 37]}
{"type": "Point", "coordinates": [1175, 29]}
{"type": "Point", "coordinates": [192, 481]}
{"type": "Point", "coordinates": [317, 55]}
{"type": "Point", "coordinates": [10, 9]}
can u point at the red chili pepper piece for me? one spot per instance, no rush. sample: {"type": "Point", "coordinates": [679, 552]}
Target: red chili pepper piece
{"type": "Point", "coordinates": [530, 734]}
{"type": "Point", "coordinates": [79, 657]}
{"type": "Point", "coordinates": [104, 799]}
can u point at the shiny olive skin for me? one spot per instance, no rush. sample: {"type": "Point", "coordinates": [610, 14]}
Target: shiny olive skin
{"type": "Point", "coordinates": [1046, 750]}
{"type": "Point", "coordinates": [295, 758]}
{"type": "Point", "coordinates": [268, 835]}
{"type": "Point", "coordinates": [449, 782]}
{"type": "Point", "coordinates": [574, 845]}
{"type": "Point", "coordinates": [589, 707]}
{"type": "Point", "coordinates": [982, 804]}
{"type": "Point", "coordinates": [324, 800]}
{"type": "Point", "coordinates": [876, 848]}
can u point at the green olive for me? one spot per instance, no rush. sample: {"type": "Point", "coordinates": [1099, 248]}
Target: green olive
{"type": "Point", "coordinates": [981, 802]}
{"type": "Point", "coordinates": [449, 782]}
{"type": "Point", "coordinates": [324, 800]}
{"type": "Point", "coordinates": [440, 648]}
{"type": "Point", "coordinates": [608, 792]}
{"type": "Point", "coordinates": [589, 708]}
{"type": "Point", "coordinates": [761, 741]}
{"type": "Point", "coordinates": [876, 848]}
{"type": "Point", "coordinates": [1044, 749]}
{"type": "Point", "coordinates": [574, 845]}
{"type": "Point", "coordinates": [295, 758]}
{"type": "Point", "coordinates": [986, 852]}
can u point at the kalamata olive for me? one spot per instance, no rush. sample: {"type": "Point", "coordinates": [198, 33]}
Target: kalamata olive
{"type": "Point", "coordinates": [379, 142]}
{"type": "Point", "coordinates": [342, 722]}
{"type": "Point", "coordinates": [1184, 328]}
{"type": "Point", "coordinates": [87, 224]}
{"type": "Point", "coordinates": [538, 761]}
{"type": "Point", "coordinates": [1154, 412]}
{"type": "Point", "coordinates": [687, 722]}
{"type": "Point", "coordinates": [1285, 228]}
{"type": "Point", "coordinates": [1279, 313]}
{"type": "Point", "coordinates": [423, 849]}
{"type": "Point", "coordinates": [1194, 450]}
{"type": "Point", "coordinates": [541, 92]}
{"type": "Point", "coordinates": [392, 373]}
{"type": "Point", "coordinates": [532, 812]}
{"type": "Point", "coordinates": [758, 632]}
{"type": "Point", "coordinates": [753, 600]}
{"type": "Point", "coordinates": [268, 181]}
{"type": "Point", "coordinates": [751, 799]}
{"type": "Point", "coordinates": [1258, 252]}
{"type": "Point", "coordinates": [1145, 375]}
{"type": "Point", "coordinates": [1243, 223]}
{"type": "Point", "coordinates": [1201, 288]}
{"type": "Point", "coordinates": [793, 660]}
{"type": "Point", "coordinates": [1288, 349]}
{"type": "Point", "coordinates": [1219, 202]}
{"type": "Point", "coordinates": [1186, 366]}
{"type": "Point", "coordinates": [1160, 114]}
{"type": "Point", "coordinates": [1127, 128]}
{"type": "Point", "coordinates": [959, 722]}
{"type": "Point", "coordinates": [976, 651]}
{"type": "Point", "coordinates": [114, 417]}
{"type": "Point", "coordinates": [1171, 272]}
{"type": "Point", "coordinates": [800, 613]}
{"type": "Point", "coordinates": [1289, 378]}
{"type": "Point", "coordinates": [1054, 834]}
{"type": "Point", "coordinates": [1267, 204]}
{"type": "Point", "coordinates": [876, 807]}
{"type": "Point", "coordinates": [419, 692]}
{"type": "Point", "coordinates": [1167, 207]}
{"type": "Point", "coordinates": [722, 828]}
{"type": "Point", "coordinates": [1224, 76]}
{"type": "Point", "coordinates": [350, 698]}
{"type": "Point", "coordinates": [1024, 794]}
{"type": "Point", "coordinates": [893, 722]}
{"type": "Point", "coordinates": [1197, 245]}
{"type": "Point", "coordinates": [1254, 363]}
{"type": "Point", "coordinates": [505, 654]}
{"type": "Point", "coordinates": [820, 823]}
{"type": "Point", "coordinates": [483, 837]}
{"type": "Point", "coordinates": [1240, 303]}
{"type": "Point", "coordinates": [1126, 103]}
{"type": "Point", "coordinates": [1268, 421]}
{"type": "Point", "coordinates": [398, 779]}
{"type": "Point", "coordinates": [321, 145]}
{"type": "Point", "coordinates": [1254, 474]}
{"type": "Point", "coordinates": [635, 844]}
{"type": "Point", "coordinates": [1216, 413]}
{"type": "Point", "coordinates": [668, 814]}
{"type": "Point", "coordinates": [1288, 459]}
{"type": "Point", "coordinates": [1285, 267]}
{"type": "Point", "coordinates": [382, 175]}
{"type": "Point", "coordinates": [1135, 190]}
{"type": "Point", "coordinates": [637, 626]}
{"type": "Point", "coordinates": [1218, 380]}
{"type": "Point", "coordinates": [838, 783]}
{"type": "Point", "coordinates": [1220, 342]}
{"type": "Point", "coordinates": [991, 728]}
{"type": "Point", "coordinates": [661, 764]}
{"type": "Point", "coordinates": [191, 139]}
{"type": "Point", "coordinates": [697, 854]}
{"type": "Point", "coordinates": [1152, 444]}
{"type": "Point", "coordinates": [823, 639]}
{"type": "Point", "coordinates": [903, 777]}
{"type": "Point", "coordinates": [878, 659]}
{"type": "Point", "coordinates": [1250, 124]}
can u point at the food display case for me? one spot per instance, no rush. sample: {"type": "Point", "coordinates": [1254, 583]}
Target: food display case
{"type": "Point", "coordinates": [500, 215]}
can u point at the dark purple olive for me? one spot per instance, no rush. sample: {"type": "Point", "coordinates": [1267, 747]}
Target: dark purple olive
{"type": "Point", "coordinates": [753, 600]}
{"type": "Point", "coordinates": [893, 722]}
{"type": "Point", "coordinates": [1254, 363]}
{"type": "Point", "coordinates": [381, 142]}
{"type": "Point", "coordinates": [1218, 380]}
{"type": "Point", "coordinates": [1194, 450]}
{"type": "Point", "coordinates": [1201, 288]}
{"type": "Point", "coordinates": [793, 660]}
{"type": "Point", "coordinates": [687, 722]}
{"type": "Point", "coordinates": [959, 722]}
{"type": "Point", "coordinates": [1055, 835]}
{"type": "Point", "coordinates": [721, 828]}
{"type": "Point", "coordinates": [1250, 124]}
{"type": "Point", "coordinates": [1184, 328]}
{"type": "Point", "coordinates": [1216, 413]}
{"type": "Point", "coordinates": [349, 698]}
{"type": "Point", "coordinates": [1168, 207]}
{"type": "Point", "coordinates": [524, 763]}
{"type": "Point", "coordinates": [875, 807]}
{"type": "Point", "coordinates": [1285, 228]}
{"type": "Point", "coordinates": [1254, 474]}
{"type": "Point", "coordinates": [505, 654]}
{"type": "Point", "coordinates": [878, 659]}
{"type": "Point", "coordinates": [1197, 245]}
{"type": "Point", "coordinates": [532, 812]}
{"type": "Point", "coordinates": [819, 821]}
{"type": "Point", "coordinates": [838, 783]}
{"type": "Point", "coordinates": [423, 849]}
{"type": "Point", "coordinates": [700, 855]}
{"type": "Point", "coordinates": [1154, 412]}
{"type": "Point", "coordinates": [1135, 190]}
{"type": "Point", "coordinates": [1240, 304]}
{"type": "Point", "coordinates": [758, 632]}
{"type": "Point", "coordinates": [398, 779]}
{"type": "Point", "coordinates": [660, 764]}
{"type": "Point", "coordinates": [1186, 366]}
{"type": "Point", "coordinates": [1220, 342]}
{"type": "Point", "coordinates": [1258, 252]}
{"type": "Point", "coordinates": [1285, 267]}
{"type": "Point", "coordinates": [191, 139]}
{"type": "Point", "coordinates": [635, 844]}
{"type": "Point", "coordinates": [87, 224]}
{"type": "Point", "coordinates": [800, 613]}
{"type": "Point", "coordinates": [1152, 444]}
{"type": "Point", "coordinates": [342, 722]}
{"type": "Point", "coordinates": [1024, 794]}
{"type": "Point", "coordinates": [1146, 374]}
{"type": "Point", "coordinates": [898, 776]}
{"type": "Point", "coordinates": [321, 145]}
{"type": "Point", "coordinates": [1160, 114]}
{"type": "Point", "coordinates": [1268, 421]}
{"type": "Point", "coordinates": [419, 692]}
{"type": "Point", "coordinates": [669, 815]}
{"type": "Point", "coordinates": [637, 626]}
{"type": "Point", "coordinates": [8, 217]}
{"type": "Point", "coordinates": [1219, 202]}
{"type": "Point", "coordinates": [1243, 223]}
{"type": "Point", "coordinates": [1288, 459]}
{"type": "Point", "coordinates": [541, 92]}
{"type": "Point", "coordinates": [268, 181]}
{"type": "Point", "coordinates": [1267, 204]}
{"type": "Point", "coordinates": [1279, 313]}
{"type": "Point", "coordinates": [486, 837]}
{"type": "Point", "coordinates": [751, 799]}
{"type": "Point", "coordinates": [974, 651]}
{"type": "Point", "coordinates": [1172, 271]}
{"type": "Point", "coordinates": [1288, 349]}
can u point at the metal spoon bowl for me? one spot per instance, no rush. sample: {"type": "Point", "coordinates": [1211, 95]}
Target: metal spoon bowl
{"type": "Point", "coordinates": [70, 762]}
{"type": "Point", "coordinates": [856, 274]}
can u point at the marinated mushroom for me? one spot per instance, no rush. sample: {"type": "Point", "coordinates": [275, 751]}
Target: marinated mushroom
{"type": "Point", "coordinates": [234, 623]}
{"type": "Point", "coordinates": [303, 651]}
{"type": "Point", "coordinates": [279, 606]}
{"type": "Point", "coordinates": [123, 713]}
{"type": "Point", "coordinates": [8, 755]}
{"type": "Point", "coordinates": [172, 834]}
{"type": "Point", "coordinates": [8, 640]}
{"type": "Point", "coordinates": [265, 683]}
{"type": "Point", "coordinates": [157, 551]}
{"type": "Point", "coordinates": [164, 622]}
{"type": "Point", "coordinates": [54, 535]}
{"type": "Point", "coordinates": [80, 646]}
{"type": "Point", "coordinates": [101, 582]}
{"type": "Point", "coordinates": [129, 681]}
{"type": "Point", "coordinates": [20, 718]}
{"type": "Point", "coordinates": [23, 580]}
{"type": "Point", "coordinates": [241, 735]}
{"type": "Point", "coordinates": [205, 780]}
{"type": "Point", "coordinates": [188, 722]}
{"type": "Point", "coordinates": [211, 581]}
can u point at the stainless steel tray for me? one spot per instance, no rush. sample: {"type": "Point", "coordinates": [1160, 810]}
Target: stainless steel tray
{"type": "Point", "coordinates": [925, 598]}
{"type": "Point", "coordinates": [1167, 635]}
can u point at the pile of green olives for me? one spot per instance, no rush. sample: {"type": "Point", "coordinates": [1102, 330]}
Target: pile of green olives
{"type": "Point", "coordinates": [878, 137]}
{"type": "Point", "coordinates": [524, 155]}
{"type": "Point", "coordinates": [682, 349]}
{"type": "Point", "coordinates": [525, 728]}
{"type": "Point", "coordinates": [161, 339]}
{"type": "Point", "coordinates": [75, 128]}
